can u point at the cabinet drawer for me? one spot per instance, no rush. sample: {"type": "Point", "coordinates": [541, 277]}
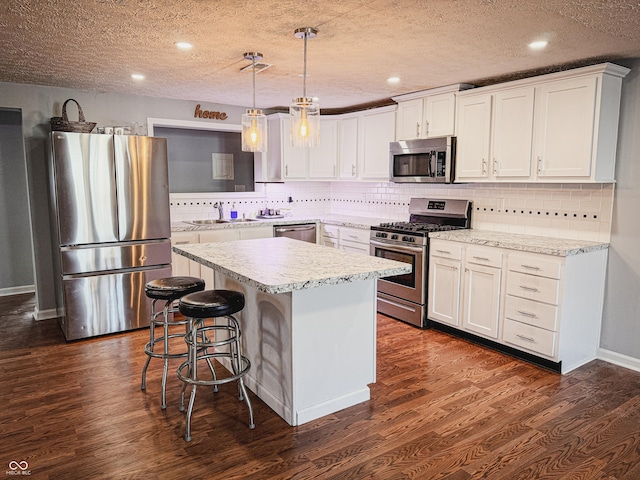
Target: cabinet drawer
{"type": "Point", "coordinates": [540, 289]}
{"type": "Point", "coordinates": [534, 266]}
{"type": "Point", "coordinates": [530, 312]}
{"type": "Point", "coordinates": [330, 242]}
{"type": "Point", "coordinates": [442, 249]}
{"type": "Point", "coordinates": [355, 234]}
{"type": "Point", "coordinates": [330, 231]}
{"type": "Point", "coordinates": [484, 256]}
{"type": "Point", "coordinates": [529, 337]}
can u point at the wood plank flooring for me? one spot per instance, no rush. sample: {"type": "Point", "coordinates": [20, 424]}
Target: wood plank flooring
{"type": "Point", "coordinates": [442, 408]}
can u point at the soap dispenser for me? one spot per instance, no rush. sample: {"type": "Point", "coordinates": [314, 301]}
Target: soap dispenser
{"type": "Point", "coordinates": [234, 212]}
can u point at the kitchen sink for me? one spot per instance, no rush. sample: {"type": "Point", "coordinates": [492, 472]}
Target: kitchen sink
{"type": "Point", "coordinates": [205, 222]}
{"type": "Point", "coordinates": [240, 220]}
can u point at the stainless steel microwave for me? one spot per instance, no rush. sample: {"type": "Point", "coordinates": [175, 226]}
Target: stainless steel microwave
{"type": "Point", "coordinates": [428, 160]}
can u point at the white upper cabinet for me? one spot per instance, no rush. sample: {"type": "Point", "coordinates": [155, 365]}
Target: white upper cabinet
{"type": "Point", "coordinates": [427, 114]}
{"type": "Point", "coordinates": [561, 127]}
{"type": "Point", "coordinates": [323, 161]}
{"type": "Point", "coordinates": [376, 130]}
{"type": "Point", "coordinates": [283, 162]}
{"type": "Point", "coordinates": [348, 148]}
{"type": "Point", "coordinates": [566, 120]}
{"type": "Point", "coordinates": [495, 136]}
{"type": "Point", "coordinates": [474, 135]}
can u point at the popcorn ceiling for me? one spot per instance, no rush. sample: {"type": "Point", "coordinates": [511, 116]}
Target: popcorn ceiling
{"type": "Point", "coordinates": [97, 45]}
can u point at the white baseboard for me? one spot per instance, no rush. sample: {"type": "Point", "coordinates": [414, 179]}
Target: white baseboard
{"type": "Point", "coordinates": [5, 292]}
{"type": "Point", "coordinates": [619, 359]}
{"type": "Point", "coordinates": [46, 314]}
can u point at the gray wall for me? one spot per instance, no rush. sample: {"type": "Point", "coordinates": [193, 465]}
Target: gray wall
{"type": "Point", "coordinates": [16, 264]}
{"type": "Point", "coordinates": [621, 319]}
{"type": "Point", "coordinates": [38, 104]}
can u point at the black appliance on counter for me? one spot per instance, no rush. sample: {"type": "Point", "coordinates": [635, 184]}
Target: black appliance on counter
{"type": "Point", "coordinates": [405, 296]}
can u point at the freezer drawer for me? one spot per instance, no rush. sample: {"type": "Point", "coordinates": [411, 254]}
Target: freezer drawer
{"type": "Point", "coordinates": [101, 304]}
{"type": "Point", "coordinates": [114, 257]}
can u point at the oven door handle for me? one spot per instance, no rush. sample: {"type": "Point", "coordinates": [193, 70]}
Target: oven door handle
{"type": "Point", "coordinates": [394, 246]}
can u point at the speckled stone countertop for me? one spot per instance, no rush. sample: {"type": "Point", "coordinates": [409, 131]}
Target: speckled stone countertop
{"type": "Point", "coordinates": [340, 220]}
{"type": "Point", "coordinates": [524, 243]}
{"type": "Point", "coordinates": [280, 265]}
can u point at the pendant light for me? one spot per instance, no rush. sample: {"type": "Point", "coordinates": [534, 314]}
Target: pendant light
{"type": "Point", "coordinates": [254, 122]}
{"type": "Point", "coordinates": [304, 112]}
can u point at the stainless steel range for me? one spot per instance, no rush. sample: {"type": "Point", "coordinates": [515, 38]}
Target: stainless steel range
{"type": "Point", "coordinates": [405, 296]}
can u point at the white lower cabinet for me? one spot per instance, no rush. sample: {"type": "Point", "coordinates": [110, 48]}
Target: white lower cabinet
{"type": "Point", "coordinates": [481, 292]}
{"type": "Point", "coordinates": [546, 306]}
{"type": "Point", "coordinates": [349, 239]}
{"type": "Point", "coordinates": [182, 266]}
{"type": "Point", "coordinates": [444, 282]}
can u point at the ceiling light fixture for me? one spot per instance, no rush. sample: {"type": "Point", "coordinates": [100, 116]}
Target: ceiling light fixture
{"type": "Point", "coordinates": [254, 122]}
{"type": "Point", "coordinates": [304, 112]}
{"type": "Point", "coordinates": [538, 45]}
{"type": "Point", "coordinates": [184, 45]}
{"type": "Point", "coordinates": [137, 76]}
{"type": "Point", "coordinates": [393, 79]}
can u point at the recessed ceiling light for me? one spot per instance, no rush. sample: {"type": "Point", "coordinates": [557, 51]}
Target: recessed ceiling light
{"type": "Point", "coordinates": [538, 45]}
{"type": "Point", "coordinates": [137, 76]}
{"type": "Point", "coordinates": [393, 79]}
{"type": "Point", "coordinates": [183, 45]}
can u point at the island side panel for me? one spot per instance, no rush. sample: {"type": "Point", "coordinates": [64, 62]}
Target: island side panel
{"type": "Point", "coordinates": [266, 341]}
{"type": "Point", "coordinates": [334, 347]}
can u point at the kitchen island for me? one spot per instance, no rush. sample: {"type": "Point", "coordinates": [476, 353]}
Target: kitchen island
{"type": "Point", "coordinates": [309, 322]}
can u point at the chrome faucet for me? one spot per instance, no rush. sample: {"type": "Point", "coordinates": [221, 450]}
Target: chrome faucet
{"type": "Point", "coordinates": [218, 205]}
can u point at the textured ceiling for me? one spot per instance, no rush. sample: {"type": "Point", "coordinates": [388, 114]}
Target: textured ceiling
{"type": "Point", "coordinates": [98, 44]}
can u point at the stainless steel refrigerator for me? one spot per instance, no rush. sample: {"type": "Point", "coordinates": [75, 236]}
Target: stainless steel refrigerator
{"type": "Point", "coordinates": [110, 216]}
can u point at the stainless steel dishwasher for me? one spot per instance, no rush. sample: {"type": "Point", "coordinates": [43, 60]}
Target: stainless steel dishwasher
{"type": "Point", "coordinates": [305, 232]}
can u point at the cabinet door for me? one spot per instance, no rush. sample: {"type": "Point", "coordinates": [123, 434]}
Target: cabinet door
{"type": "Point", "coordinates": [181, 266]}
{"type": "Point", "coordinates": [481, 302]}
{"type": "Point", "coordinates": [444, 290]}
{"type": "Point", "coordinates": [473, 129]}
{"type": "Point", "coordinates": [294, 160]}
{"type": "Point", "coordinates": [513, 133]}
{"type": "Point", "coordinates": [348, 148]}
{"type": "Point", "coordinates": [409, 119]}
{"type": "Point", "coordinates": [323, 161]}
{"type": "Point", "coordinates": [565, 115]}
{"type": "Point", "coordinates": [376, 131]}
{"type": "Point", "coordinates": [439, 115]}
{"type": "Point", "coordinates": [255, 232]}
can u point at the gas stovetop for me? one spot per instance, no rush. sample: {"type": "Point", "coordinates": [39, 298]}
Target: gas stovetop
{"type": "Point", "coordinates": [415, 228]}
{"type": "Point", "coordinates": [427, 215]}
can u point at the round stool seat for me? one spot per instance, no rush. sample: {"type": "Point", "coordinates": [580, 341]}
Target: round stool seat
{"type": "Point", "coordinates": [172, 288]}
{"type": "Point", "coordinates": [211, 303]}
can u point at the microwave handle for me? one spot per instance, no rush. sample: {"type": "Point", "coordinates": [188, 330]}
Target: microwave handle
{"type": "Point", "coordinates": [432, 163]}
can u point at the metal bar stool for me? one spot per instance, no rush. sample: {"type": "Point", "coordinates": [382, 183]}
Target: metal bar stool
{"type": "Point", "coordinates": [168, 289]}
{"type": "Point", "coordinates": [219, 340]}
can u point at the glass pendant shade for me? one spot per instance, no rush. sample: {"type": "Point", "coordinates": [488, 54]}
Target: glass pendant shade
{"type": "Point", "coordinates": [254, 131]}
{"type": "Point", "coordinates": [304, 113]}
{"type": "Point", "coordinates": [254, 122]}
{"type": "Point", "coordinates": [305, 123]}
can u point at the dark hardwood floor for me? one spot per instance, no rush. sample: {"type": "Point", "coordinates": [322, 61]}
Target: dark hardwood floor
{"type": "Point", "coordinates": [442, 408]}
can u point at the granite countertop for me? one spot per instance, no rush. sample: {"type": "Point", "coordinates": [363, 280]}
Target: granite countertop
{"type": "Point", "coordinates": [525, 243]}
{"type": "Point", "coordinates": [280, 265]}
{"type": "Point", "coordinates": [340, 220]}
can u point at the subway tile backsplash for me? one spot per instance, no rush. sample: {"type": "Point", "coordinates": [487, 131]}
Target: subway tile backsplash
{"type": "Point", "coordinates": [577, 211]}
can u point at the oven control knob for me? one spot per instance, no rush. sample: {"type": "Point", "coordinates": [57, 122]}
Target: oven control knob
{"type": "Point", "coordinates": [394, 237]}
{"type": "Point", "coordinates": [406, 239]}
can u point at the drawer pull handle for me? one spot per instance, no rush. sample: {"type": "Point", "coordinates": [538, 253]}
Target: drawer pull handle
{"type": "Point", "coordinates": [444, 251]}
{"type": "Point", "coordinates": [527, 314]}
{"type": "Point", "coordinates": [526, 339]}
{"type": "Point", "coordinates": [186, 242]}
{"type": "Point", "coordinates": [529, 289]}
{"type": "Point", "coordinates": [530, 267]}
{"type": "Point", "coordinates": [484, 259]}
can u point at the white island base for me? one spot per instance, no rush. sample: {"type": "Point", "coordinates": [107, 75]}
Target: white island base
{"type": "Point", "coordinates": [312, 351]}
